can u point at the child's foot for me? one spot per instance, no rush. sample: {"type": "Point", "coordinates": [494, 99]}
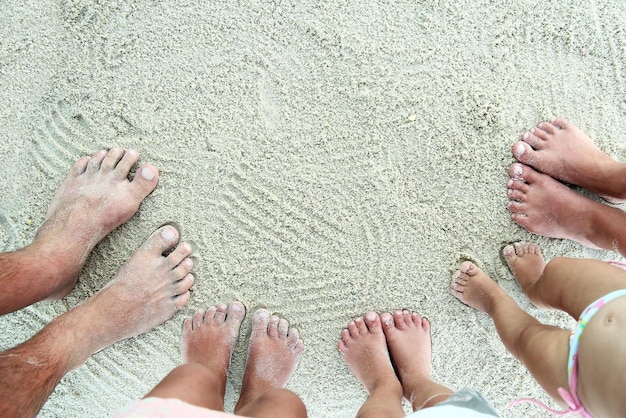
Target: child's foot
{"type": "Point", "coordinates": [547, 207]}
{"type": "Point", "coordinates": [408, 339]}
{"type": "Point", "coordinates": [364, 349]}
{"type": "Point", "coordinates": [273, 356]}
{"type": "Point", "coordinates": [563, 151]}
{"type": "Point", "coordinates": [474, 288]}
{"type": "Point", "coordinates": [95, 198]}
{"type": "Point", "coordinates": [525, 261]}
{"type": "Point", "coordinates": [209, 337]}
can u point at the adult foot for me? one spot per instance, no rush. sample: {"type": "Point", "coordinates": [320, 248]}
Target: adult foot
{"type": "Point", "coordinates": [408, 339]}
{"type": "Point", "coordinates": [273, 355]}
{"type": "Point", "coordinates": [525, 262]}
{"type": "Point", "coordinates": [209, 337]}
{"type": "Point", "coordinates": [364, 349]}
{"type": "Point", "coordinates": [565, 152]}
{"type": "Point", "coordinates": [474, 288]}
{"type": "Point", "coordinates": [547, 207]}
{"type": "Point", "coordinates": [94, 199]}
{"type": "Point", "coordinates": [148, 290]}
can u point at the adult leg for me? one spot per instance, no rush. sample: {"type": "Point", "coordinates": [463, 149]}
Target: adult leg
{"type": "Point", "coordinates": [273, 356]}
{"type": "Point", "coordinates": [208, 341]}
{"type": "Point", "coordinates": [563, 151]}
{"type": "Point", "coordinates": [408, 339]}
{"type": "Point", "coordinates": [364, 349]}
{"type": "Point", "coordinates": [543, 349]}
{"type": "Point", "coordinates": [94, 199]}
{"type": "Point", "coordinates": [148, 290]}
{"type": "Point", "coordinates": [547, 207]}
{"type": "Point", "coordinates": [568, 284]}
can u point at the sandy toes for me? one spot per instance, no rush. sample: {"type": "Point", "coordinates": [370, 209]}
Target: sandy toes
{"type": "Point", "coordinates": [547, 207]}
{"type": "Point", "coordinates": [148, 290]}
{"type": "Point", "coordinates": [525, 262]}
{"type": "Point", "coordinates": [95, 198]}
{"type": "Point", "coordinates": [364, 349]}
{"type": "Point", "coordinates": [474, 288]}
{"type": "Point", "coordinates": [273, 355]}
{"type": "Point", "coordinates": [209, 337]}
{"type": "Point", "coordinates": [565, 152]}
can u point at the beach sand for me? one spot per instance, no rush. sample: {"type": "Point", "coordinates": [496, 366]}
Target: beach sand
{"type": "Point", "coordinates": [324, 159]}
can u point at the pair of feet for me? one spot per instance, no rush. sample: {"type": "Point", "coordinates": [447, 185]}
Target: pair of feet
{"type": "Point", "coordinates": [390, 354]}
{"type": "Point", "coordinates": [555, 152]}
{"type": "Point", "coordinates": [274, 349]}
{"type": "Point", "coordinates": [474, 288]}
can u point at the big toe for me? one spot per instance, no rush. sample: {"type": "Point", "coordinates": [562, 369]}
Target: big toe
{"type": "Point", "coordinates": [524, 153]}
{"type": "Point", "coordinates": [261, 321]}
{"type": "Point", "coordinates": [236, 313]}
{"type": "Point", "coordinates": [145, 181]}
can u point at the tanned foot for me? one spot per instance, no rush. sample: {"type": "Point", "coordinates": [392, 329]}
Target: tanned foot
{"type": "Point", "coordinates": [148, 290]}
{"type": "Point", "coordinates": [273, 355]}
{"type": "Point", "coordinates": [563, 151]}
{"type": "Point", "coordinates": [547, 207]}
{"type": "Point", "coordinates": [209, 338]}
{"type": "Point", "coordinates": [525, 261]}
{"type": "Point", "coordinates": [408, 339]}
{"type": "Point", "coordinates": [95, 198]}
{"type": "Point", "coordinates": [364, 349]}
{"type": "Point", "coordinates": [474, 288]}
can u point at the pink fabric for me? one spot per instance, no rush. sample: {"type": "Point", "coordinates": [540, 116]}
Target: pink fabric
{"type": "Point", "coordinates": [167, 408]}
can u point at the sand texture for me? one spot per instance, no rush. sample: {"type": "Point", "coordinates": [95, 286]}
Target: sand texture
{"type": "Point", "coordinates": [325, 160]}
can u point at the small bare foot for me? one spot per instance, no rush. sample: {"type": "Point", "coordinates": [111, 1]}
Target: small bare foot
{"type": "Point", "coordinates": [148, 290]}
{"type": "Point", "coordinates": [95, 198]}
{"type": "Point", "coordinates": [209, 337]}
{"type": "Point", "coordinates": [273, 356]}
{"type": "Point", "coordinates": [563, 151]}
{"type": "Point", "coordinates": [364, 349]}
{"type": "Point", "coordinates": [474, 288]}
{"type": "Point", "coordinates": [525, 261]}
{"type": "Point", "coordinates": [547, 207]}
{"type": "Point", "coordinates": [408, 339]}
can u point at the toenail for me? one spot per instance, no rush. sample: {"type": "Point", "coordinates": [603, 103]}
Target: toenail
{"type": "Point", "coordinates": [518, 170]}
{"type": "Point", "coordinates": [510, 183]}
{"type": "Point", "coordinates": [371, 316]}
{"type": "Point", "coordinates": [147, 174]}
{"type": "Point", "coordinates": [508, 250]}
{"type": "Point", "coordinates": [526, 135]}
{"type": "Point", "coordinates": [520, 149]}
{"type": "Point", "coordinates": [131, 152]}
{"type": "Point", "coordinates": [168, 234]}
{"type": "Point", "coordinates": [236, 307]}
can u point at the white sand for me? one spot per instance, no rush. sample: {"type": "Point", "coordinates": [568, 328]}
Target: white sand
{"type": "Point", "coordinates": [325, 160]}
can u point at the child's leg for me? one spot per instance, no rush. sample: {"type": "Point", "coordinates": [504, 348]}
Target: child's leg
{"type": "Point", "coordinates": [542, 348]}
{"type": "Point", "coordinates": [567, 284]}
{"type": "Point", "coordinates": [273, 356]}
{"type": "Point", "coordinates": [208, 341]}
{"type": "Point", "coordinates": [364, 349]}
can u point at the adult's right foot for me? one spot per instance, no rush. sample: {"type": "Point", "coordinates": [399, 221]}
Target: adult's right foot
{"type": "Point", "coordinates": [408, 339]}
{"type": "Point", "coordinates": [147, 291]}
{"type": "Point", "coordinates": [94, 199]}
{"type": "Point", "coordinates": [273, 355]}
{"type": "Point", "coordinates": [565, 152]}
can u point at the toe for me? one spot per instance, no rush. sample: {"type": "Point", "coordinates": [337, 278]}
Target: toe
{"type": "Point", "coordinates": [524, 153]}
{"type": "Point", "coordinates": [509, 252]}
{"type": "Point", "coordinates": [345, 336]}
{"type": "Point", "coordinates": [187, 326]}
{"type": "Point", "coordinates": [95, 161]}
{"type": "Point", "coordinates": [516, 207]}
{"type": "Point", "coordinates": [198, 319]}
{"type": "Point", "coordinates": [127, 162]}
{"type": "Point", "coordinates": [425, 324]}
{"type": "Point", "coordinates": [372, 321]}
{"type": "Point", "coordinates": [360, 325]}
{"type": "Point", "coordinates": [283, 328]}
{"type": "Point", "coordinates": [547, 127]}
{"type": "Point", "coordinates": [516, 171]}
{"type": "Point", "coordinates": [533, 140]}
{"type": "Point", "coordinates": [398, 319]}
{"type": "Point", "coordinates": [272, 328]}
{"type": "Point", "coordinates": [145, 181]}
{"type": "Point", "coordinates": [517, 184]}
{"type": "Point", "coordinates": [181, 300]}
{"type": "Point", "coordinates": [182, 251]}
{"type": "Point", "coordinates": [408, 321]}
{"type": "Point", "coordinates": [261, 320]}
{"type": "Point", "coordinates": [80, 166]}
{"type": "Point", "coordinates": [352, 329]}
{"type": "Point", "coordinates": [515, 195]}
{"type": "Point", "coordinates": [111, 159]}
{"type": "Point", "coordinates": [560, 123]}
{"type": "Point", "coordinates": [209, 315]}
{"type": "Point", "coordinates": [236, 312]}
{"type": "Point", "coordinates": [162, 240]}
{"type": "Point", "coordinates": [220, 314]}
{"type": "Point", "coordinates": [294, 337]}
{"type": "Point", "coordinates": [182, 269]}
{"type": "Point", "coordinates": [386, 320]}
{"type": "Point", "coordinates": [183, 285]}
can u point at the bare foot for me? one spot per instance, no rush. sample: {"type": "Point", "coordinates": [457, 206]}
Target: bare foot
{"type": "Point", "coordinates": [209, 337]}
{"type": "Point", "coordinates": [364, 349]}
{"type": "Point", "coordinates": [408, 339]}
{"type": "Point", "coordinates": [525, 261]}
{"type": "Point", "coordinates": [95, 198]}
{"type": "Point", "coordinates": [474, 288]}
{"type": "Point", "coordinates": [563, 151]}
{"type": "Point", "coordinates": [273, 356]}
{"type": "Point", "coordinates": [547, 207]}
{"type": "Point", "coordinates": [148, 290]}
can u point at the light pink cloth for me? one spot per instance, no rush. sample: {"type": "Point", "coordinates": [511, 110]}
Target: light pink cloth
{"type": "Point", "coordinates": [167, 408]}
